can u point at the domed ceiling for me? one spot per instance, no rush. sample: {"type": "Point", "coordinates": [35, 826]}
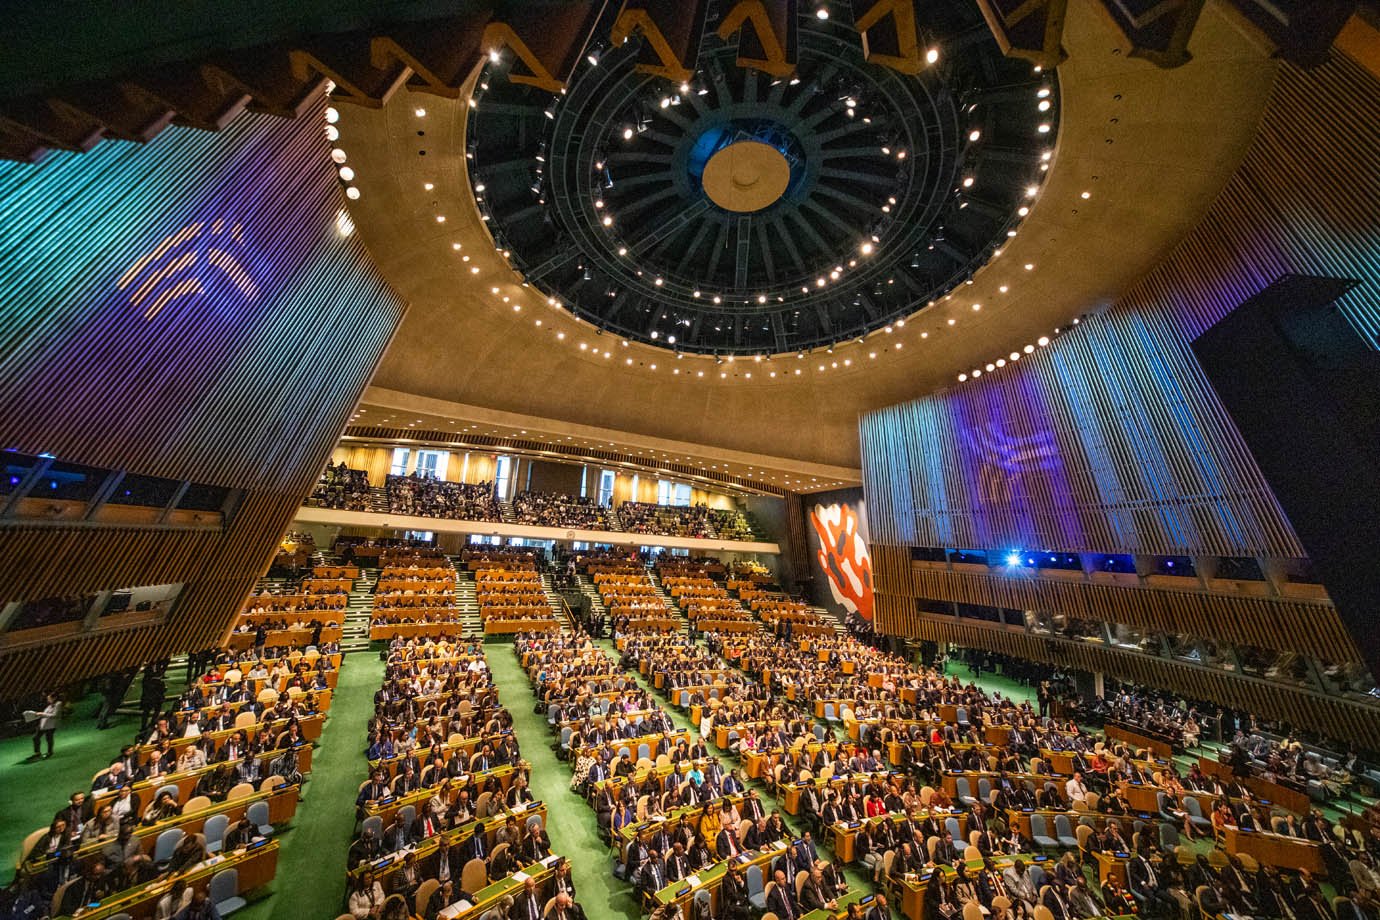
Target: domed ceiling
{"type": "Point", "coordinates": [1137, 155]}
{"type": "Point", "coordinates": [741, 213]}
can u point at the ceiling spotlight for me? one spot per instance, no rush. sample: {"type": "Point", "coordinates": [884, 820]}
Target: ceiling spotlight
{"type": "Point", "coordinates": [866, 249]}
{"type": "Point", "coordinates": [962, 377]}
{"type": "Point", "coordinates": [332, 115]}
{"type": "Point", "coordinates": [352, 193]}
{"type": "Point", "coordinates": [627, 134]}
{"type": "Point", "coordinates": [932, 56]}
{"type": "Point", "coordinates": [1028, 349]}
{"type": "Point", "coordinates": [479, 187]}
{"type": "Point", "coordinates": [1044, 128]}
{"type": "Point", "coordinates": [821, 13]}
{"type": "Point", "coordinates": [1044, 105]}
{"type": "Point", "coordinates": [608, 220]}
{"type": "Point", "coordinates": [968, 181]}
{"type": "Point", "coordinates": [1042, 341]}
{"type": "Point", "coordinates": [1086, 195]}
{"type": "Point", "coordinates": [974, 135]}
{"type": "Point", "coordinates": [347, 174]}
{"type": "Point", "coordinates": [1031, 191]}
{"type": "Point", "coordinates": [420, 113]}
{"type": "Point", "coordinates": [1015, 356]}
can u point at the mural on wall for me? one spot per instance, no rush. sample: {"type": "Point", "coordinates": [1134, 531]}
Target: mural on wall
{"type": "Point", "coordinates": [838, 539]}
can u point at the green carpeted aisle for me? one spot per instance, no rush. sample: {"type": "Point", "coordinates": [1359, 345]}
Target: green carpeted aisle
{"type": "Point", "coordinates": [570, 822]}
{"type": "Point", "coordinates": [311, 864]}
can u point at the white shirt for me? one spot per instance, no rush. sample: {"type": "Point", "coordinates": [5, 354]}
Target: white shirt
{"type": "Point", "coordinates": [1076, 790]}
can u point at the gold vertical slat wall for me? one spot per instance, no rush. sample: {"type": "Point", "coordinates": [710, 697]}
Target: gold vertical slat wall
{"type": "Point", "coordinates": [246, 385]}
{"type": "Point", "coordinates": [1144, 459]}
{"type": "Point", "coordinates": [1140, 456]}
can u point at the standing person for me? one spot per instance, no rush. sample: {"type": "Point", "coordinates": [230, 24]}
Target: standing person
{"type": "Point", "coordinates": [151, 693]}
{"type": "Point", "coordinates": [45, 723]}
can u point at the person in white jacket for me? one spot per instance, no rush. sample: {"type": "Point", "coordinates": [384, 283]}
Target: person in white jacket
{"type": "Point", "coordinates": [45, 723]}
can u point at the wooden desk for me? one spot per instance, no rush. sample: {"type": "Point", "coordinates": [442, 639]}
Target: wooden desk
{"type": "Point", "coordinates": [487, 898]}
{"type": "Point", "coordinates": [1145, 798]}
{"type": "Point", "coordinates": [793, 790]}
{"type": "Point", "coordinates": [845, 834]}
{"type": "Point", "coordinates": [1274, 849]}
{"type": "Point", "coordinates": [256, 868]}
{"type": "Point", "coordinates": [187, 781]}
{"type": "Point", "coordinates": [683, 891]}
{"type": "Point", "coordinates": [1268, 792]}
{"type": "Point", "coordinates": [282, 805]}
{"type": "Point", "coordinates": [385, 866]}
{"type": "Point", "coordinates": [388, 809]}
{"type": "Point", "coordinates": [1159, 746]}
{"type": "Point", "coordinates": [1112, 866]}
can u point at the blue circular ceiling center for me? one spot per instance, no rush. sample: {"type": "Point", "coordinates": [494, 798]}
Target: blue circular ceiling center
{"type": "Point", "coordinates": [719, 136]}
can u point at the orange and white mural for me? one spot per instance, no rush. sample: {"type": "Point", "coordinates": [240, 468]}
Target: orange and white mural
{"type": "Point", "coordinates": [842, 556]}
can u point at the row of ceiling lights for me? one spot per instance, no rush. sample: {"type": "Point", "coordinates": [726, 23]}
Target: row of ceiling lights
{"type": "Point", "coordinates": [865, 249]}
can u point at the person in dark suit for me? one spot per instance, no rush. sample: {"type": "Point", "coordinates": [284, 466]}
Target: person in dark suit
{"type": "Point", "coordinates": [782, 901]}
{"type": "Point", "coordinates": [727, 843]}
{"type": "Point", "coordinates": [813, 895]}
{"type": "Point", "coordinates": [440, 899]}
{"type": "Point", "coordinates": [528, 905]}
{"type": "Point", "coordinates": [653, 876]}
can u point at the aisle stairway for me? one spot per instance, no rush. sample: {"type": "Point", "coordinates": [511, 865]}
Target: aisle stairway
{"type": "Point", "coordinates": [358, 609]}
{"type": "Point", "coordinates": [466, 600]}
{"type": "Point", "coordinates": [506, 512]}
{"type": "Point", "coordinates": [611, 516]}
{"type": "Point", "coordinates": [553, 598]}
{"type": "Point", "coordinates": [672, 608]}
{"type": "Point", "coordinates": [596, 603]}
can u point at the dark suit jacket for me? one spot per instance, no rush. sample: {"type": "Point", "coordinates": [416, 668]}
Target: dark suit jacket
{"type": "Point", "coordinates": [777, 903]}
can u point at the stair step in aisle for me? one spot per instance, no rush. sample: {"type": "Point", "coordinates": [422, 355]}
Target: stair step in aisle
{"type": "Point", "coordinates": [672, 607]}
{"type": "Point", "coordinates": [466, 599]}
{"type": "Point", "coordinates": [358, 610]}
{"type": "Point", "coordinates": [554, 599]}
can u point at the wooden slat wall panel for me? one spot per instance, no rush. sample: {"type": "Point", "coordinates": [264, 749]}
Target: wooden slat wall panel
{"type": "Point", "coordinates": [1331, 716]}
{"type": "Point", "coordinates": [246, 390]}
{"type": "Point", "coordinates": [1312, 629]}
{"type": "Point", "coordinates": [1112, 440]}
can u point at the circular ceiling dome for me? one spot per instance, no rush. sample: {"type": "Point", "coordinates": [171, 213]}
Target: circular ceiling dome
{"type": "Point", "coordinates": [746, 176]}
{"type": "Point", "coordinates": [741, 213]}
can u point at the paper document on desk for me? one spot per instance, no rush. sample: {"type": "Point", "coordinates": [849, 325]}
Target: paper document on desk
{"type": "Point", "coordinates": [693, 881]}
{"type": "Point", "coordinates": [520, 877]}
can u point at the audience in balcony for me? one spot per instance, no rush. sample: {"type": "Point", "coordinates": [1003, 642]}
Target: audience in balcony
{"type": "Point", "coordinates": [685, 521]}
{"type": "Point", "coordinates": [438, 498]}
{"type": "Point", "coordinates": [555, 509]}
{"type": "Point", "coordinates": [342, 488]}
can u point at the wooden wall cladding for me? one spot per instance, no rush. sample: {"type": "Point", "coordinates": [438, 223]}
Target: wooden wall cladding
{"type": "Point", "coordinates": [1331, 716]}
{"type": "Point", "coordinates": [1312, 629]}
{"type": "Point", "coordinates": [1112, 440]}
{"type": "Point", "coordinates": [185, 309]}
